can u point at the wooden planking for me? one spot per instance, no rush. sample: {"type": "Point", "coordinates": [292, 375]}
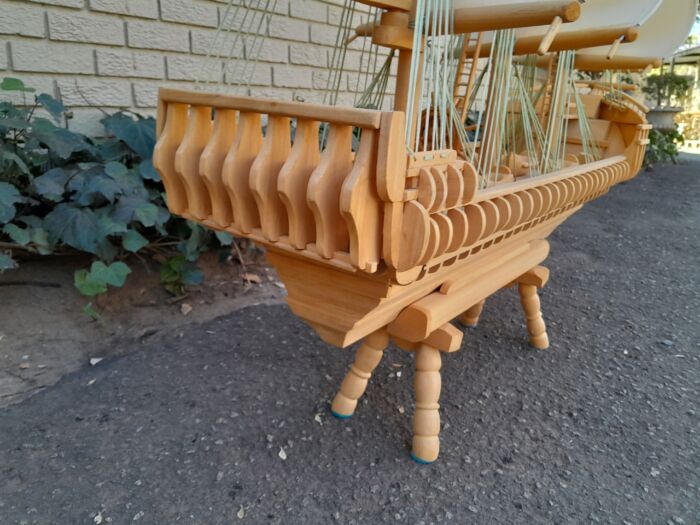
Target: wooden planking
{"type": "Point", "coordinates": [169, 141]}
{"type": "Point", "coordinates": [236, 171]}
{"type": "Point", "coordinates": [211, 165]}
{"type": "Point", "coordinates": [294, 179]}
{"type": "Point", "coordinates": [391, 157]}
{"type": "Point", "coordinates": [263, 178]}
{"type": "Point", "coordinates": [363, 118]}
{"type": "Point", "coordinates": [323, 192]}
{"type": "Point", "coordinates": [361, 207]}
{"type": "Point", "coordinates": [187, 159]}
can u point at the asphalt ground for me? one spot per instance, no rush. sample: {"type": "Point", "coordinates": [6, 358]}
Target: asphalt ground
{"type": "Point", "coordinates": [229, 422]}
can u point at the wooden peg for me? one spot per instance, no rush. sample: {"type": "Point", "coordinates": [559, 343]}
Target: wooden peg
{"type": "Point", "coordinates": [427, 383]}
{"type": "Point", "coordinates": [549, 36]}
{"type": "Point", "coordinates": [470, 318]}
{"type": "Point", "coordinates": [614, 47]}
{"type": "Point", "coordinates": [354, 385]}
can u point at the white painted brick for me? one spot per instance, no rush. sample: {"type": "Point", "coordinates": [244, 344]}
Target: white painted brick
{"type": "Point", "coordinates": [3, 55]}
{"type": "Point", "coordinates": [97, 29]}
{"type": "Point", "coordinates": [308, 10]}
{"type": "Point", "coordinates": [95, 92]}
{"type": "Point", "coordinates": [146, 94]}
{"type": "Point", "coordinates": [189, 12]}
{"type": "Point", "coordinates": [51, 57]}
{"type": "Point", "coordinates": [323, 34]}
{"type": "Point", "coordinates": [87, 122]}
{"type": "Point", "coordinates": [194, 68]}
{"type": "Point", "coordinates": [24, 20]}
{"type": "Point", "coordinates": [289, 28]}
{"type": "Point", "coordinates": [281, 7]}
{"type": "Point", "coordinates": [308, 55]}
{"type": "Point", "coordinates": [155, 35]}
{"type": "Point", "coordinates": [302, 95]}
{"type": "Point", "coordinates": [42, 84]}
{"type": "Point", "coordinates": [260, 76]}
{"type": "Point", "coordinates": [319, 79]}
{"type": "Point", "coordinates": [274, 51]}
{"type": "Point", "coordinates": [203, 40]}
{"type": "Point", "coordinates": [125, 63]}
{"type": "Point", "coordinates": [137, 8]}
{"type": "Point", "coordinates": [292, 77]}
{"type": "Point", "coordinates": [79, 4]}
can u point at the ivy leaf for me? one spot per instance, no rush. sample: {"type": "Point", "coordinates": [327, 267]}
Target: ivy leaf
{"type": "Point", "coordinates": [112, 149]}
{"type": "Point", "coordinates": [15, 159]}
{"type": "Point", "coordinates": [192, 276]}
{"type": "Point", "coordinates": [114, 274]}
{"type": "Point", "coordinates": [191, 247]}
{"type": "Point", "coordinates": [6, 262]}
{"type": "Point", "coordinates": [15, 123]}
{"type": "Point", "coordinates": [147, 171]}
{"type": "Point", "coordinates": [14, 84]}
{"type": "Point", "coordinates": [87, 284]}
{"type": "Point", "coordinates": [115, 169]}
{"type": "Point", "coordinates": [53, 106]}
{"type": "Point", "coordinates": [95, 281]}
{"type": "Point", "coordinates": [129, 207]}
{"type": "Point", "coordinates": [225, 238]}
{"type": "Point", "coordinates": [133, 241]}
{"type": "Point", "coordinates": [96, 184]}
{"type": "Point", "coordinates": [17, 234]}
{"type": "Point", "coordinates": [52, 184]}
{"type": "Point", "coordinates": [139, 134]}
{"type": "Point", "coordinates": [40, 240]}
{"type": "Point", "coordinates": [60, 141]}
{"type": "Point", "coordinates": [106, 226]}
{"type": "Point", "coordinates": [74, 226]}
{"type": "Point", "coordinates": [9, 196]}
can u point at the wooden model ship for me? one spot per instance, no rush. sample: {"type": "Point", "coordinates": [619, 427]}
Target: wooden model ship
{"type": "Point", "coordinates": [391, 222]}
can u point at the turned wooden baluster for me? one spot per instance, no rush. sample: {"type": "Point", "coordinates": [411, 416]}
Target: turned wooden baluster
{"type": "Point", "coordinates": [164, 156]}
{"type": "Point", "coordinates": [470, 318]}
{"type": "Point", "coordinates": [211, 164]}
{"type": "Point", "coordinates": [355, 383]}
{"type": "Point", "coordinates": [263, 178]}
{"type": "Point", "coordinates": [294, 179]}
{"type": "Point", "coordinates": [236, 171]}
{"type": "Point", "coordinates": [187, 160]}
{"type": "Point", "coordinates": [323, 192]}
{"type": "Point", "coordinates": [427, 383]}
{"type": "Point", "coordinates": [361, 207]}
{"type": "Point", "coordinates": [528, 284]}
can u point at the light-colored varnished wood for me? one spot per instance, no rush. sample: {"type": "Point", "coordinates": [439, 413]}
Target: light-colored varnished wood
{"type": "Point", "coordinates": [427, 383]}
{"type": "Point", "coordinates": [211, 165]}
{"type": "Point", "coordinates": [470, 318]}
{"type": "Point", "coordinates": [354, 385]}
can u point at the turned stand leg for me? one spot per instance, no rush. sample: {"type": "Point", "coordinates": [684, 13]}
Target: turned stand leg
{"type": "Point", "coordinates": [533, 315]}
{"type": "Point", "coordinates": [353, 386]}
{"type": "Point", "coordinates": [470, 318]}
{"type": "Point", "coordinates": [426, 420]}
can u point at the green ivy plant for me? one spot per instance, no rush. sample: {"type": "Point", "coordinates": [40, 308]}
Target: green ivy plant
{"type": "Point", "coordinates": [663, 147]}
{"type": "Point", "coordinates": [61, 191]}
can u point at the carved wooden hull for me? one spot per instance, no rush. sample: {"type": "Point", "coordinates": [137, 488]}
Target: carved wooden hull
{"type": "Point", "coordinates": [357, 236]}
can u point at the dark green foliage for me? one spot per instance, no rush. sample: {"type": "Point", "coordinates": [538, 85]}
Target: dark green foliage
{"type": "Point", "coordinates": [62, 191]}
{"type": "Point", "coordinates": [668, 88]}
{"type": "Point", "coordinates": [663, 147]}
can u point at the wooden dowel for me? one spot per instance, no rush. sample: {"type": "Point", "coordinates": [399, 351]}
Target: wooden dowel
{"type": "Point", "coordinates": [614, 47]}
{"type": "Point", "coordinates": [585, 62]}
{"type": "Point", "coordinates": [472, 19]}
{"type": "Point", "coordinates": [363, 118]}
{"type": "Point", "coordinates": [565, 40]}
{"type": "Point", "coordinates": [549, 36]}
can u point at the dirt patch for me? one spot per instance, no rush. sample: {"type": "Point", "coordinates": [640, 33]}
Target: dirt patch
{"type": "Point", "coordinates": [44, 333]}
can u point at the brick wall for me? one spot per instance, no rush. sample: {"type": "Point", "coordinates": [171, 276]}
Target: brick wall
{"type": "Point", "coordinates": [108, 54]}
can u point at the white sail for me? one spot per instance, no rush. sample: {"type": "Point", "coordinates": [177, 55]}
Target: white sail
{"type": "Point", "coordinates": [661, 34]}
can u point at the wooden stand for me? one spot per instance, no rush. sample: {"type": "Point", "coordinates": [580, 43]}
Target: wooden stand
{"type": "Point", "coordinates": [427, 381]}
